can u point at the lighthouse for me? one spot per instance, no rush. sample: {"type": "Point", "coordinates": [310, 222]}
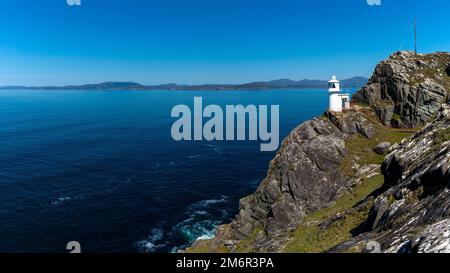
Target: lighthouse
{"type": "Point", "coordinates": [338, 101]}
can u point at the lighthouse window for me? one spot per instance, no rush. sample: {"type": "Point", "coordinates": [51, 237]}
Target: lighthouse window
{"type": "Point", "coordinates": [332, 85]}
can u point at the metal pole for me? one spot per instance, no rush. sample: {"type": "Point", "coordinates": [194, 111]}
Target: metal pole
{"type": "Point", "coordinates": [415, 36]}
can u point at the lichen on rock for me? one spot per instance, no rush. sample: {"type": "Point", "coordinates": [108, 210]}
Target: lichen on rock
{"type": "Point", "coordinates": [406, 90]}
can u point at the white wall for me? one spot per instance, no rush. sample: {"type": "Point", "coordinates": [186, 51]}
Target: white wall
{"type": "Point", "coordinates": [335, 102]}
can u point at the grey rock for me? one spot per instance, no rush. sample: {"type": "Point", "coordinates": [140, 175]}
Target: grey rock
{"type": "Point", "coordinates": [244, 231]}
{"type": "Point", "coordinates": [413, 213]}
{"type": "Point", "coordinates": [368, 170]}
{"type": "Point", "coordinates": [436, 238]}
{"type": "Point", "coordinates": [303, 177]}
{"type": "Point", "coordinates": [407, 89]}
{"type": "Point", "coordinates": [352, 122]}
{"type": "Point", "coordinates": [385, 113]}
{"type": "Point", "coordinates": [382, 148]}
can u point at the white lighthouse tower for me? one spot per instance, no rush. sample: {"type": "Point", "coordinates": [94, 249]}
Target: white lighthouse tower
{"type": "Point", "coordinates": [338, 101]}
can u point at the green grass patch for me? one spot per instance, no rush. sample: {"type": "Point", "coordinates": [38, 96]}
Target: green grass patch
{"type": "Point", "coordinates": [245, 246]}
{"type": "Point", "coordinates": [360, 149]}
{"type": "Point", "coordinates": [310, 238]}
{"type": "Point", "coordinates": [442, 61]}
{"type": "Point", "coordinates": [347, 201]}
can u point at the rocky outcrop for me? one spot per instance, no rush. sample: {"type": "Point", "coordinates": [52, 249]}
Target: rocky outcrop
{"type": "Point", "coordinates": [413, 213]}
{"type": "Point", "coordinates": [410, 213]}
{"type": "Point", "coordinates": [282, 200]}
{"type": "Point", "coordinates": [304, 177]}
{"type": "Point", "coordinates": [407, 89]}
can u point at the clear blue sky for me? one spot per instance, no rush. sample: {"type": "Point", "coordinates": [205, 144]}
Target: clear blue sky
{"type": "Point", "coordinates": [208, 41]}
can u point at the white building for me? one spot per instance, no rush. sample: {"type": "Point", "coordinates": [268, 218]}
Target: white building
{"type": "Point", "coordinates": [338, 101]}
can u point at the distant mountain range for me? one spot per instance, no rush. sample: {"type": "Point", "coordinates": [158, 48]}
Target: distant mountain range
{"type": "Point", "coordinates": [276, 84]}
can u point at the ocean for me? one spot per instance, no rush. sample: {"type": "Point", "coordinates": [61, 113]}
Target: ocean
{"type": "Point", "coordinates": [101, 168]}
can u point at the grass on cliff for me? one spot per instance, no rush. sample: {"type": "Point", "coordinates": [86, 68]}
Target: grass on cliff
{"type": "Point", "coordinates": [311, 238]}
{"type": "Point", "coordinates": [308, 237]}
{"type": "Point", "coordinates": [319, 235]}
{"type": "Point", "coordinates": [314, 236]}
{"type": "Point", "coordinates": [245, 246]}
{"type": "Point", "coordinates": [360, 149]}
{"type": "Point", "coordinates": [440, 64]}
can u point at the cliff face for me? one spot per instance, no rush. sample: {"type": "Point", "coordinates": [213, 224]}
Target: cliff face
{"type": "Point", "coordinates": [406, 89]}
{"type": "Point", "coordinates": [413, 214]}
{"type": "Point", "coordinates": [304, 177]}
{"type": "Point", "coordinates": [324, 190]}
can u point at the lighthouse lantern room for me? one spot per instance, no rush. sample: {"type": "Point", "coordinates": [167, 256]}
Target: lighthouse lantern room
{"type": "Point", "coordinates": [338, 101]}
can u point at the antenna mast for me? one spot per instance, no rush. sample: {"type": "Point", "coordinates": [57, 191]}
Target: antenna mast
{"type": "Point", "coordinates": [415, 35]}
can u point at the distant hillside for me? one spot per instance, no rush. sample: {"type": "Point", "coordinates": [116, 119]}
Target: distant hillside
{"type": "Point", "coordinates": [287, 83]}
{"type": "Point", "coordinates": [276, 84]}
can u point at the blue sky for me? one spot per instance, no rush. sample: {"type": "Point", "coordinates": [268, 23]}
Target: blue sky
{"type": "Point", "coordinates": [208, 41]}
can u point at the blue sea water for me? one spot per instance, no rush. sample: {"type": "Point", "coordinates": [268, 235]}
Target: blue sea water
{"type": "Point", "coordinates": [101, 168]}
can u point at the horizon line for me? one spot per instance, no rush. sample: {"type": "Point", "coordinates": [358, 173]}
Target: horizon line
{"type": "Point", "coordinates": [177, 84]}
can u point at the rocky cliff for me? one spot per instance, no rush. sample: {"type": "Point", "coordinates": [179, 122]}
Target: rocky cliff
{"type": "Point", "coordinates": [413, 213]}
{"type": "Point", "coordinates": [406, 89]}
{"type": "Point", "coordinates": [324, 190]}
